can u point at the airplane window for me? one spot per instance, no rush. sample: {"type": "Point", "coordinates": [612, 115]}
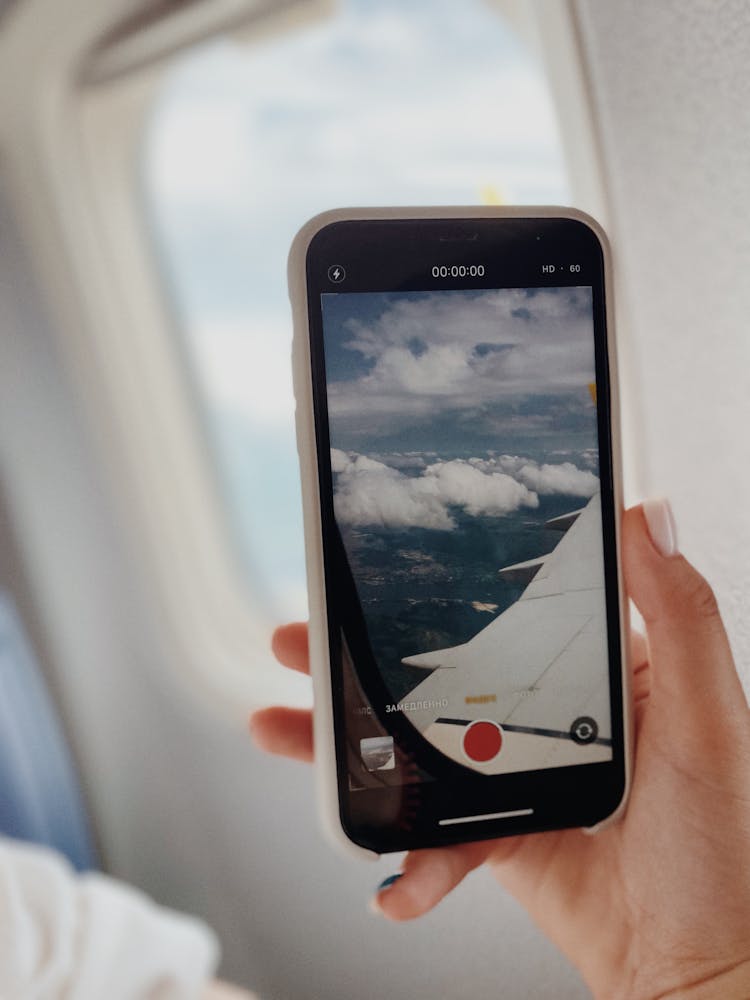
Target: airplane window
{"type": "Point", "coordinates": [423, 102]}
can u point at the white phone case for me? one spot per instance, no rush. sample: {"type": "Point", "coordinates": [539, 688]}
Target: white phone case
{"type": "Point", "coordinates": [325, 754]}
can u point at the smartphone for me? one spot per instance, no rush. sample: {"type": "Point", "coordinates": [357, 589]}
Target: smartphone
{"type": "Point", "coordinates": [457, 427]}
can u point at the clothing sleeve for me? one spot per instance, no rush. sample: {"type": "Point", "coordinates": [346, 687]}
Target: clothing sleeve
{"type": "Point", "coordinates": [65, 936]}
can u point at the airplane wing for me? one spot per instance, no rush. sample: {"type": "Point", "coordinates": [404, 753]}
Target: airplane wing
{"type": "Point", "coordinates": [542, 663]}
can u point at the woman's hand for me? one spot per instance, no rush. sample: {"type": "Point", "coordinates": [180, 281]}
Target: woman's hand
{"type": "Point", "coordinates": [659, 904]}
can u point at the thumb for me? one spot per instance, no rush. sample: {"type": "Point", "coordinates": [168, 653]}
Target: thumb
{"type": "Point", "coordinates": [691, 661]}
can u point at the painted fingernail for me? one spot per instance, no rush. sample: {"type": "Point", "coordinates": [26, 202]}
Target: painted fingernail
{"type": "Point", "coordinates": [374, 903]}
{"type": "Point", "coordinates": [388, 882]}
{"type": "Point", "coordinates": [661, 526]}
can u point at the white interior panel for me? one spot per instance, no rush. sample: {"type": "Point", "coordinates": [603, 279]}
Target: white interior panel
{"type": "Point", "coordinates": [671, 89]}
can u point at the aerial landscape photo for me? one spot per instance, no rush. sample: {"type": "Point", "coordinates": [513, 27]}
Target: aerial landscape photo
{"type": "Point", "coordinates": [461, 423]}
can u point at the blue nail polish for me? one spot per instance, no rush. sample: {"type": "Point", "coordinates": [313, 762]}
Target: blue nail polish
{"type": "Point", "coordinates": [388, 882]}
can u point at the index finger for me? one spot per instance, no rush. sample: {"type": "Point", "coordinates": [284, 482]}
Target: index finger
{"type": "Point", "coordinates": [290, 647]}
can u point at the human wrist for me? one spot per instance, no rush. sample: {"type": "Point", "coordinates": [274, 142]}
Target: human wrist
{"type": "Point", "coordinates": [731, 983]}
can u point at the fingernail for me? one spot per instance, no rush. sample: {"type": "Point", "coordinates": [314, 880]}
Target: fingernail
{"type": "Point", "coordinates": [374, 903]}
{"type": "Point", "coordinates": [388, 882]}
{"type": "Point", "coordinates": [661, 526]}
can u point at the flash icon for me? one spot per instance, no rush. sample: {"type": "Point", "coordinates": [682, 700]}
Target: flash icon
{"type": "Point", "coordinates": [336, 273]}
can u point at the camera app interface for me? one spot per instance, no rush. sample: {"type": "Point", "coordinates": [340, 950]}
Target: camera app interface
{"type": "Point", "coordinates": [464, 459]}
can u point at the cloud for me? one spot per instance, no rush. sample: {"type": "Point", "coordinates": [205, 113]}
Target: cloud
{"type": "Point", "coordinates": [460, 484]}
{"type": "Point", "coordinates": [425, 353]}
{"type": "Point", "coordinates": [404, 460]}
{"type": "Point", "coordinates": [563, 478]}
{"type": "Point", "coordinates": [370, 492]}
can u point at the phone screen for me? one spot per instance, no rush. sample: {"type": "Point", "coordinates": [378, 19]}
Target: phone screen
{"type": "Point", "coordinates": [464, 450]}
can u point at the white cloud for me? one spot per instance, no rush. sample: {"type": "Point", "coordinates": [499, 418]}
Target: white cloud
{"type": "Point", "coordinates": [340, 461]}
{"type": "Point", "coordinates": [478, 492]}
{"type": "Point", "coordinates": [404, 460]}
{"type": "Point", "coordinates": [370, 492]}
{"type": "Point", "coordinates": [448, 350]}
{"type": "Point", "coordinates": [563, 478]}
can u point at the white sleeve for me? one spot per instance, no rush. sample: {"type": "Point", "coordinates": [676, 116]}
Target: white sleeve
{"type": "Point", "coordinates": [87, 937]}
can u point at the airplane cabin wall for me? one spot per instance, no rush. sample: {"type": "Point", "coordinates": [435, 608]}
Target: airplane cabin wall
{"type": "Point", "coordinates": [670, 84]}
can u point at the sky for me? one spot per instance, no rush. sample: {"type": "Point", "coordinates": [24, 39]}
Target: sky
{"type": "Point", "coordinates": [387, 102]}
{"type": "Point", "coordinates": [498, 365]}
{"type": "Point", "coordinates": [458, 399]}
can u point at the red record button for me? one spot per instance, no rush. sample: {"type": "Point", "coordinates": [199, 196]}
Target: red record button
{"type": "Point", "coordinates": [482, 741]}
